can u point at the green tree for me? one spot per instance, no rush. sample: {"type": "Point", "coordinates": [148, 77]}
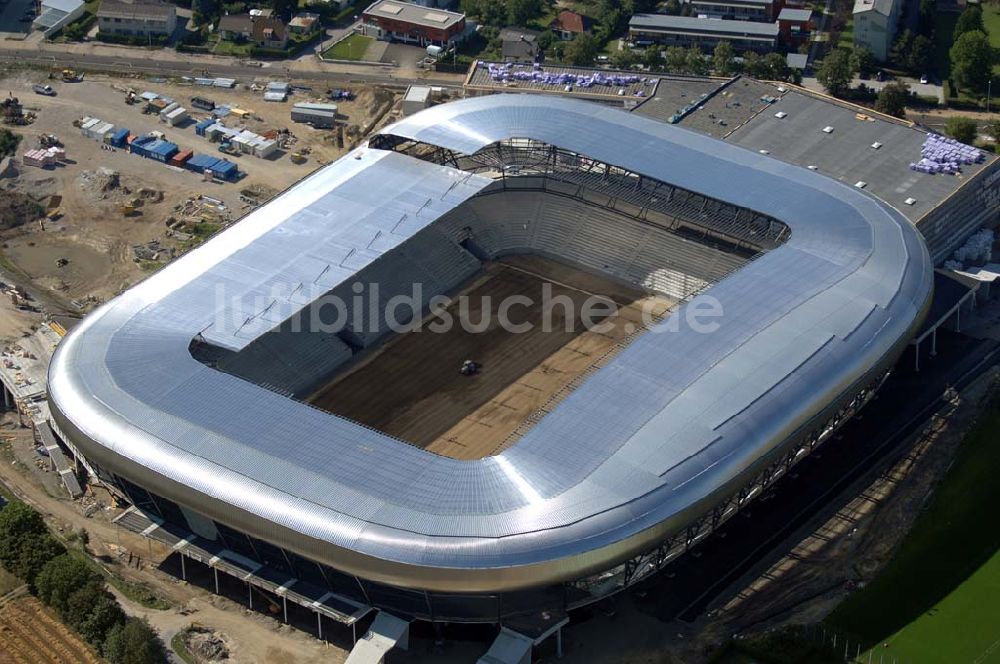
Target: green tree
{"type": "Point", "coordinates": [25, 543]}
{"type": "Point", "coordinates": [776, 67]}
{"type": "Point", "coordinates": [581, 51]}
{"type": "Point", "coordinates": [753, 65]}
{"type": "Point", "coordinates": [519, 12]}
{"type": "Point", "coordinates": [723, 59]}
{"type": "Point", "coordinates": [676, 59]}
{"type": "Point", "coordinates": [652, 57]}
{"type": "Point", "coordinates": [283, 9]}
{"type": "Point", "coordinates": [204, 12]}
{"type": "Point", "coordinates": [835, 72]}
{"type": "Point", "coordinates": [900, 50]}
{"type": "Point", "coordinates": [60, 577]}
{"type": "Point", "coordinates": [133, 642]}
{"type": "Point", "coordinates": [695, 62]}
{"type": "Point", "coordinates": [962, 129]}
{"type": "Point", "coordinates": [969, 20]}
{"type": "Point", "coordinates": [971, 60]}
{"type": "Point", "coordinates": [863, 61]}
{"type": "Point", "coordinates": [623, 59]}
{"type": "Point", "coordinates": [919, 57]}
{"type": "Point", "coordinates": [672, 7]}
{"type": "Point", "coordinates": [489, 12]}
{"type": "Point", "coordinates": [892, 99]}
{"type": "Point", "coordinates": [8, 142]}
{"type": "Point", "coordinates": [927, 11]}
{"type": "Point", "coordinates": [93, 612]}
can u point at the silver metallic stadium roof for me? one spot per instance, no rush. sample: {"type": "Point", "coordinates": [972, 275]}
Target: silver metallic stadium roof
{"type": "Point", "coordinates": [635, 452]}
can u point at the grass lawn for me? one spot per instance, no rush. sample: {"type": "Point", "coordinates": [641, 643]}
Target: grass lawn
{"type": "Point", "coordinates": [991, 19]}
{"type": "Point", "coordinates": [232, 48]}
{"type": "Point", "coordinates": [352, 48]}
{"type": "Point", "coordinates": [846, 38]}
{"type": "Point", "coordinates": [938, 599]}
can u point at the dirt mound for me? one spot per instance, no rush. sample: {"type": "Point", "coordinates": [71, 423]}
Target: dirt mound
{"type": "Point", "coordinates": [102, 183]}
{"type": "Point", "coordinates": [17, 209]}
{"type": "Point", "coordinates": [206, 645]}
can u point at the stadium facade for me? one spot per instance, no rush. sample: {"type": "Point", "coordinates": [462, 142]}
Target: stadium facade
{"type": "Point", "coordinates": [190, 405]}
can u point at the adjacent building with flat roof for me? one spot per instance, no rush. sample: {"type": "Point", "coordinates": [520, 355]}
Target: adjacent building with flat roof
{"type": "Point", "coordinates": [736, 10]}
{"type": "Point", "coordinates": [138, 19]}
{"type": "Point", "coordinates": [704, 33]}
{"type": "Point", "coordinates": [412, 23]}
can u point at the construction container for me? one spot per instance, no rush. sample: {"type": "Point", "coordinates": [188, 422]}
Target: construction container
{"type": "Point", "coordinates": [322, 116]}
{"type": "Point", "coordinates": [224, 170]}
{"type": "Point", "coordinates": [264, 148]}
{"type": "Point", "coordinates": [199, 163]}
{"type": "Point", "coordinates": [119, 138]}
{"type": "Point", "coordinates": [275, 96]}
{"type": "Point", "coordinates": [417, 98]}
{"type": "Point", "coordinates": [156, 105]}
{"type": "Point", "coordinates": [176, 116]}
{"type": "Point", "coordinates": [156, 149]}
{"type": "Point", "coordinates": [87, 124]}
{"type": "Point", "coordinates": [181, 157]}
{"type": "Point", "coordinates": [278, 86]}
{"type": "Point", "coordinates": [202, 103]}
{"type": "Point", "coordinates": [202, 125]}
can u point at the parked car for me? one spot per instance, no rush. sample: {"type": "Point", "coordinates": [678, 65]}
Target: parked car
{"type": "Point", "coordinates": [923, 79]}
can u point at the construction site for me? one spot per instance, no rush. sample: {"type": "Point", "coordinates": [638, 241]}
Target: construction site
{"type": "Point", "coordinates": [88, 212]}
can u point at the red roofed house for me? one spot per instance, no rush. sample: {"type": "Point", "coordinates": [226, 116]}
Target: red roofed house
{"type": "Point", "coordinates": [568, 24]}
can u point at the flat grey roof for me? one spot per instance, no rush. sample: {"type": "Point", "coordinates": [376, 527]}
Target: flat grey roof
{"type": "Point", "coordinates": [790, 14]}
{"type": "Point", "coordinates": [692, 25]}
{"type": "Point", "coordinates": [847, 154]}
{"type": "Point", "coordinates": [428, 17]}
{"type": "Point", "coordinates": [677, 418]}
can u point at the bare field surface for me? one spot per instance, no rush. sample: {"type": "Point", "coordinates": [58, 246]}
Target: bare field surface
{"type": "Point", "coordinates": [88, 254]}
{"type": "Point", "coordinates": [30, 634]}
{"type": "Point", "coordinates": [411, 387]}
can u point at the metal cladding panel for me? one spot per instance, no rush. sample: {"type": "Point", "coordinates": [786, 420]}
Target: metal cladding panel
{"type": "Point", "coordinates": [676, 417]}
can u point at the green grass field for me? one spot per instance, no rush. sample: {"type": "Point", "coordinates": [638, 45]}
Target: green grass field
{"type": "Point", "coordinates": [991, 19]}
{"type": "Point", "coordinates": [352, 48]}
{"type": "Point", "coordinates": [938, 599]}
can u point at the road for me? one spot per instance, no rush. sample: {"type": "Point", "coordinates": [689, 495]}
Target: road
{"type": "Point", "coordinates": [922, 89]}
{"type": "Point", "coordinates": [170, 63]}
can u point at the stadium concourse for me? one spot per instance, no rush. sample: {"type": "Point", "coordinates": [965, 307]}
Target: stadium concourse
{"type": "Point", "coordinates": [201, 409]}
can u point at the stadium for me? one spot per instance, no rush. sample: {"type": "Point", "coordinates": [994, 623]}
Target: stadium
{"type": "Point", "coordinates": [354, 467]}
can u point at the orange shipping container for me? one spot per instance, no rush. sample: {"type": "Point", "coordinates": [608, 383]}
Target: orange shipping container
{"type": "Point", "coordinates": [181, 157]}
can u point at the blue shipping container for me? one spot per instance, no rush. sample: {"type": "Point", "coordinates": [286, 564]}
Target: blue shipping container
{"type": "Point", "coordinates": [199, 162]}
{"type": "Point", "coordinates": [200, 128]}
{"type": "Point", "coordinates": [119, 138]}
{"type": "Point", "coordinates": [161, 150]}
{"type": "Point", "coordinates": [225, 170]}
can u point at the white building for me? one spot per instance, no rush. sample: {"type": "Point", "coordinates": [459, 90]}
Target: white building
{"type": "Point", "coordinates": [875, 24]}
{"type": "Point", "coordinates": [137, 19]}
{"type": "Point", "coordinates": [55, 15]}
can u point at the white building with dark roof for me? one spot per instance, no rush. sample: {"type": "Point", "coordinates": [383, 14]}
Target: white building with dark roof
{"type": "Point", "coordinates": [875, 24]}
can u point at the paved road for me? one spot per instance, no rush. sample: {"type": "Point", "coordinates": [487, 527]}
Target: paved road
{"type": "Point", "coordinates": [146, 62]}
{"type": "Point", "coordinates": [923, 89]}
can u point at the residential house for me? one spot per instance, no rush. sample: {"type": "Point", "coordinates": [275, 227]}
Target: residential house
{"type": "Point", "coordinates": [54, 15]}
{"type": "Point", "coordinates": [519, 45]}
{"type": "Point", "coordinates": [136, 19]}
{"type": "Point", "coordinates": [264, 31]}
{"type": "Point", "coordinates": [795, 26]}
{"type": "Point", "coordinates": [568, 24]}
{"type": "Point", "coordinates": [407, 22]}
{"type": "Point", "coordinates": [304, 24]}
{"type": "Point", "coordinates": [875, 24]}
{"type": "Point", "coordinates": [762, 11]}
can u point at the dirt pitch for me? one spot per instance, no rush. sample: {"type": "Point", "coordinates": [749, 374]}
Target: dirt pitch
{"type": "Point", "coordinates": [30, 634]}
{"type": "Point", "coordinates": [411, 387]}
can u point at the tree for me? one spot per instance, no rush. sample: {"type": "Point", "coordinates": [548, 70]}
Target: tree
{"type": "Point", "coordinates": [863, 61]}
{"type": "Point", "coordinates": [8, 142]}
{"type": "Point", "coordinates": [926, 21]}
{"type": "Point", "coordinates": [695, 62]}
{"type": "Point", "coordinates": [969, 20]}
{"type": "Point", "coordinates": [133, 642]}
{"type": "Point", "coordinates": [919, 57]}
{"type": "Point", "coordinates": [60, 578]}
{"type": "Point", "coordinates": [672, 7]}
{"type": "Point", "coordinates": [892, 99]}
{"type": "Point", "coordinates": [205, 11]}
{"type": "Point", "coordinates": [519, 12]}
{"type": "Point", "coordinates": [776, 66]}
{"type": "Point", "coordinates": [901, 47]}
{"type": "Point", "coordinates": [25, 543]}
{"type": "Point", "coordinates": [93, 612]}
{"type": "Point", "coordinates": [581, 51]}
{"type": "Point", "coordinates": [283, 8]}
{"type": "Point", "coordinates": [653, 57]}
{"type": "Point", "coordinates": [962, 129]}
{"type": "Point", "coordinates": [753, 65]}
{"type": "Point", "coordinates": [676, 59]}
{"type": "Point", "coordinates": [971, 60]}
{"type": "Point", "coordinates": [623, 59]}
{"type": "Point", "coordinates": [835, 71]}
{"type": "Point", "coordinates": [723, 59]}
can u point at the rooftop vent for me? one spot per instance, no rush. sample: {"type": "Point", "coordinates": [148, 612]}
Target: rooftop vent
{"type": "Point", "coordinates": [876, 145]}
{"type": "Point", "coordinates": [827, 130]}
{"type": "Point", "coordinates": [910, 201]}
{"type": "Point", "coordinates": [812, 168]}
{"type": "Point", "coordinates": [763, 151]}
{"type": "Point", "coordinates": [781, 115]}
{"type": "Point", "coordinates": [860, 184]}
